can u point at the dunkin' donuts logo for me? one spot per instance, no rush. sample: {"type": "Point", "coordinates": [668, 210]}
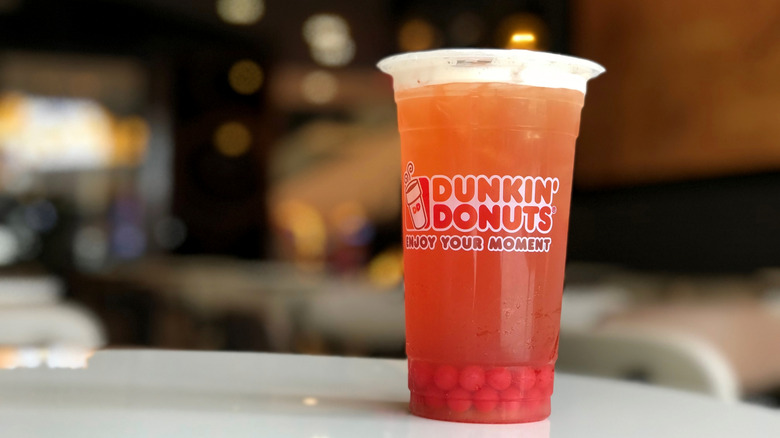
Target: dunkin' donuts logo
{"type": "Point", "coordinates": [507, 203]}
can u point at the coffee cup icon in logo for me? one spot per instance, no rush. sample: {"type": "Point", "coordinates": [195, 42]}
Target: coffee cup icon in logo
{"type": "Point", "coordinates": [416, 206]}
{"type": "Point", "coordinates": [416, 191]}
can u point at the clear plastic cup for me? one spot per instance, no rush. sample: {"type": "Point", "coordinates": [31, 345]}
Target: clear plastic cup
{"type": "Point", "coordinates": [487, 151]}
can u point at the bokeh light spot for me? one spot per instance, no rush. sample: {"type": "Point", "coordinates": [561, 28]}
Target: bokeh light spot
{"type": "Point", "coordinates": [232, 139]}
{"type": "Point", "coordinates": [245, 77]}
{"type": "Point", "coordinates": [131, 139]}
{"type": "Point", "coordinates": [319, 87]}
{"type": "Point", "coordinates": [325, 29]}
{"type": "Point", "coordinates": [241, 12]}
{"type": "Point", "coordinates": [522, 31]}
{"type": "Point", "coordinates": [329, 39]}
{"type": "Point", "coordinates": [387, 268]}
{"type": "Point", "coordinates": [417, 34]}
{"type": "Point", "coordinates": [334, 57]}
{"type": "Point", "coordinates": [306, 228]}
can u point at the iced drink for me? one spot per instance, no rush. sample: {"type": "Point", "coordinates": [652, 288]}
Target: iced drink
{"type": "Point", "coordinates": [487, 150]}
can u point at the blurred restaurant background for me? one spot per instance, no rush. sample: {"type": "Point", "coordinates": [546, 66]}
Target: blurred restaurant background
{"type": "Point", "coordinates": [223, 175]}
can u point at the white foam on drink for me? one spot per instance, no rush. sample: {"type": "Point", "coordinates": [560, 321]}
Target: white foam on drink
{"type": "Point", "coordinates": [522, 67]}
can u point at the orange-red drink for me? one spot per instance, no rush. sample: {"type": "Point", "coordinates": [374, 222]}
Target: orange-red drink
{"type": "Point", "coordinates": [487, 171]}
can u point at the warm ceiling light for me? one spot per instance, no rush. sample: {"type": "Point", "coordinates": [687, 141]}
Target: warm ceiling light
{"type": "Point", "coordinates": [523, 37]}
{"type": "Point", "coordinates": [522, 31]}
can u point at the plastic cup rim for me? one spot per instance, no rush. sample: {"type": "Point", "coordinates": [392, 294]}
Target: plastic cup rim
{"type": "Point", "coordinates": [480, 57]}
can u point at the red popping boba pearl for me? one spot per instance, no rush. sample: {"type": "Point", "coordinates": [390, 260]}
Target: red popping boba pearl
{"type": "Point", "coordinates": [524, 378]}
{"type": "Point", "coordinates": [446, 377]}
{"type": "Point", "coordinates": [459, 400]}
{"type": "Point", "coordinates": [486, 399]}
{"type": "Point", "coordinates": [499, 378]}
{"type": "Point", "coordinates": [511, 399]}
{"type": "Point", "coordinates": [472, 378]}
{"type": "Point", "coordinates": [435, 397]}
{"type": "Point", "coordinates": [420, 374]}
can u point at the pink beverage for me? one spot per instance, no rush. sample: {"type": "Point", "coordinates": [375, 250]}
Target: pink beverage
{"type": "Point", "coordinates": [487, 148]}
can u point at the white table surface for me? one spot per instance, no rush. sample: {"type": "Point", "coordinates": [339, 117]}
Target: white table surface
{"type": "Point", "coordinates": [139, 393]}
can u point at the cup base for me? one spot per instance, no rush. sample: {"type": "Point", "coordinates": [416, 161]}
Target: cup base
{"type": "Point", "coordinates": [480, 393]}
{"type": "Point", "coordinates": [519, 411]}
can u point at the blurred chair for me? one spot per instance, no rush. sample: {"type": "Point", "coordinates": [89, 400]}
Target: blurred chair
{"type": "Point", "coordinates": [33, 315]}
{"type": "Point", "coordinates": [664, 358]}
